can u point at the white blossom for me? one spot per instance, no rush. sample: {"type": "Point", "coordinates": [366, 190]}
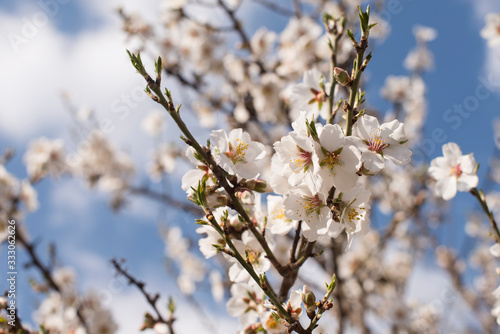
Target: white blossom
{"type": "Point", "coordinates": [350, 212]}
{"type": "Point", "coordinates": [246, 302]}
{"type": "Point", "coordinates": [277, 222]}
{"type": "Point", "coordinates": [396, 88]}
{"type": "Point", "coordinates": [249, 246]}
{"type": "Point", "coordinates": [379, 142]}
{"type": "Point", "coordinates": [45, 157]}
{"type": "Point", "coordinates": [453, 171]}
{"type": "Point", "coordinates": [311, 94]}
{"type": "Point", "coordinates": [336, 160]}
{"type": "Point", "coordinates": [491, 32]}
{"type": "Point", "coordinates": [308, 204]}
{"type": "Point", "coordinates": [154, 123]}
{"type": "Point", "coordinates": [236, 153]}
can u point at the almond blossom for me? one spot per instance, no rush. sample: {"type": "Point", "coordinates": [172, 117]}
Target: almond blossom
{"type": "Point", "coordinates": [251, 248]}
{"type": "Point", "coordinates": [453, 171]}
{"type": "Point", "coordinates": [236, 153]}
{"type": "Point", "coordinates": [308, 204]}
{"type": "Point", "coordinates": [336, 161]}
{"type": "Point", "coordinates": [277, 222]}
{"type": "Point", "coordinates": [297, 152]}
{"type": "Point", "coordinates": [350, 212]}
{"type": "Point", "coordinates": [310, 95]}
{"type": "Point", "coordinates": [491, 32]}
{"type": "Point", "coordinates": [45, 157]}
{"type": "Point", "coordinates": [396, 88]}
{"type": "Point", "coordinates": [246, 302]}
{"type": "Point", "coordinates": [154, 123]}
{"type": "Point", "coordinates": [379, 142]}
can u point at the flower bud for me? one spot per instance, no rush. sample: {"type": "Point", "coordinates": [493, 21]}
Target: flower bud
{"type": "Point", "coordinates": [216, 200]}
{"type": "Point", "coordinates": [308, 296]}
{"type": "Point", "coordinates": [246, 196]}
{"type": "Point", "coordinates": [309, 300]}
{"type": "Point", "coordinates": [235, 223]}
{"type": "Point", "coordinates": [342, 76]}
{"type": "Point", "coordinates": [258, 185]}
{"type": "Point", "coordinates": [262, 187]}
{"type": "Point", "coordinates": [148, 322]}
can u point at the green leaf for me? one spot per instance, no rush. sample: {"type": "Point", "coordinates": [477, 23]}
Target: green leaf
{"type": "Point", "coordinates": [351, 37]}
{"type": "Point", "coordinates": [171, 305]}
{"type": "Point", "coordinates": [311, 130]}
{"type": "Point", "coordinates": [158, 67]}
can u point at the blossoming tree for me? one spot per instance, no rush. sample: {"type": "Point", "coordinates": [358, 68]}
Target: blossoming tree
{"type": "Point", "coordinates": [283, 190]}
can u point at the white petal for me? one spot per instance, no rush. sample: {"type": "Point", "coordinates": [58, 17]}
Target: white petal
{"type": "Point", "coordinates": [467, 181]}
{"type": "Point", "coordinates": [372, 161]}
{"type": "Point", "coordinates": [366, 126]}
{"type": "Point", "coordinates": [398, 154]}
{"type": "Point", "coordinates": [467, 163]}
{"type": "Point", "coordinates": [495, 250]}
{"type": "Point", "coordinates": [219, 139]}
{"type": "Point", "coordinates": [447, 187]}
{"type": "Point", "coordinates": [332, 137]}
{"type": "Point", "coordinates": [452, 152]}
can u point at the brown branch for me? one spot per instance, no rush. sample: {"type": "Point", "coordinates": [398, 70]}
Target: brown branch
{"type": "Point", "coordinates": [275, 8]}
{"type": "Point", "coordinates": [166, 199]}
{"type": "Point", "coordinates": [46, 272]}
{"type": "Point", "coordinates": [297, 8]}
{"type": "Point", "coordinates": [336, 251]}
{"type": "Point", "coordinates": [293, 251]}
{"type": "Point", "coordinates": [141, 286]}
{"type": "Point", "coordinates": [245, 41]}
{"type": "Point", "coordinates": [292, 268]}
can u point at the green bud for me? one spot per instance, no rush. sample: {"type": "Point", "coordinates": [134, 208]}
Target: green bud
{"type": "Point", "coordinates": [308, 298]}
{"type": "Point", "coordinates": [342, 76]}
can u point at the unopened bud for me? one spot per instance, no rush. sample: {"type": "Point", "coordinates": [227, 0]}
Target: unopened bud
{"type": "Point", "coordinates": [148, 322]}
{"type": "Point", "coordinates": [262, 187]}
{"type": "Point", "coordinates": [258, 185]}
{"type": "Point", "coordinates": [342, 76]}
{"type": "Point", "coordinates": [308, 296]}
{"type": "Point", "coordinates": [216, 200]}
{"type": "Point", "coordinates": [309, 300]}
{"type": "Point", "coordinates": [246, 196]}
{"type": "Point", "coordinates": [236, 223]}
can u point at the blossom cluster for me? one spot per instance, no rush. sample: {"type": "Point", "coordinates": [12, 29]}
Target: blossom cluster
{"type": "Point", "coordinates": [294, 170]}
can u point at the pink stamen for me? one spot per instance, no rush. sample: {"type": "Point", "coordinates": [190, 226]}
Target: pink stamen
{"type": "Point", "coordinates": [456, 171]}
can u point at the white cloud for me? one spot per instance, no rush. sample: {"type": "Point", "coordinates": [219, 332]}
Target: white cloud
{"type": "Point", "coordinates": [92, 65]}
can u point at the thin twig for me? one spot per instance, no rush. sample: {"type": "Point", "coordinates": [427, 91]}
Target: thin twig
{"type": "Point", "coordinates": [167, 199]}
{"type": "Point", "coordinates": [46, 272]}
{"type": "Point", "coordinates": [141, 286]}
{"type": "Point", "coordinates": [491, 218]}
{"type": "Point", "coordinates": [275, 8]}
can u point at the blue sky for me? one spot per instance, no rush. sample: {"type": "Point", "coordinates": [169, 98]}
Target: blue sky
{"type": "Point", "coordinates": [81, 50]}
